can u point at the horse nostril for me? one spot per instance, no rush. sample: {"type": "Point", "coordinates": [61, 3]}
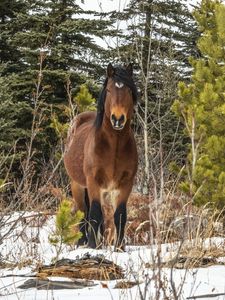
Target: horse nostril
{"type": "Point", "coordinates": [121, 119]}
{"type": "Point", "coordinates": [113, 118]}
{"type": "Point", "coordinates": [118, 123]}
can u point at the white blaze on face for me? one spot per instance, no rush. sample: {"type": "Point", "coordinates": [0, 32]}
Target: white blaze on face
{"type": "Point", "coordinates": [119, 85]}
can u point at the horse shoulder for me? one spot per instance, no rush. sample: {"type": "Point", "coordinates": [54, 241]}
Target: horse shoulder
{"type": "Point", "coordinates": [129, 149]}
{"type": "Point", "coordinates": [128, 160]}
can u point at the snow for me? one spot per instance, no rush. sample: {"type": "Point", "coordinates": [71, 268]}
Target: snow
{"type": "Point", "coordinates": [27, 244]}
{"type": "Point", "coordinates": [106, 5]}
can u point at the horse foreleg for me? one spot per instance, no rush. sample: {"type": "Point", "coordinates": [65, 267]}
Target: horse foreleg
{"type": "Point", "coordinates": [120, 219]}
{"type": "Point", "coordinates": [109, 226]}
{"type": "Point", "coordinates": [95, 220]}
{"type": "Point", "coordinates": [120, 216]}
{"type": "Point", "coordinates": [95, 213]}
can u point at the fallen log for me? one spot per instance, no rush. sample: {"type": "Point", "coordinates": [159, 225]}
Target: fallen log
{"type": "Point", "coordinates": [46, 284]}
{"type": "Point", "coordinates": [88, 267]}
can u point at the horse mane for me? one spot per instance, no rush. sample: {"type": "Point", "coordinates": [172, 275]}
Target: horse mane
{"type": "Point", "coordinates": [120, 75]}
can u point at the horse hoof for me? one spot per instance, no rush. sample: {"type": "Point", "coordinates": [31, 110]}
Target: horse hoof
{"type": "Point", "coordinates": [91, 245]}
{"type": "Point", "coordinates": [82, 242]}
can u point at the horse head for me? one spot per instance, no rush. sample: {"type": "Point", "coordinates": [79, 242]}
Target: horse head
{"type": "Point", "coordinates": [118, 97]}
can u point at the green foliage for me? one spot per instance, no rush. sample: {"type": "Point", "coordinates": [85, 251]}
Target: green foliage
{"type": "Point", "coordinates": [60, 128]}
{"type": "Point", "coordinates": [84, 102]}
{"type": "Point", "coordinates": [13, 131]}
{"type": "Point", "coordinates": [44, 47]}
{"type": "Point", "coordinates": [201, 105]}
{"type": "Point", "coordinates": [161, 37]}
{"type": "Point", "coordinates": [171, 30]}
{"type": "Point", "coordinates": [84, 99]}
{"type": "Point", "coordinates": [66, 225]}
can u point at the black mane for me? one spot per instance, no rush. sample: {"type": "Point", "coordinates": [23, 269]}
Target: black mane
{"type": "Point", "coordinates": [120, 75]}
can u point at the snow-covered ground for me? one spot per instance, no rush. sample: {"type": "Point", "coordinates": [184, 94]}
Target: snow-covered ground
{"type": "Point", "coordinates": [24, 241]}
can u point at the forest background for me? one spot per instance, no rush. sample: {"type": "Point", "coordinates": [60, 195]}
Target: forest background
{"type": "Point", "coordinates": [52, 66]}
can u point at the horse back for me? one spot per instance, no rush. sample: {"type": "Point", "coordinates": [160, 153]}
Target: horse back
{"type": "Point", "coordinates": [74, 148]}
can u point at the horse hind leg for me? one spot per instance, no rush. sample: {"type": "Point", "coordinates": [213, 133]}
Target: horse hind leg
{"type": "Point", "coordinates": [81, 202]}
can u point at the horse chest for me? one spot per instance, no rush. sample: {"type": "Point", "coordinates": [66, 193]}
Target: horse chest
{"type": "Point", "coordinates": [114, 163]}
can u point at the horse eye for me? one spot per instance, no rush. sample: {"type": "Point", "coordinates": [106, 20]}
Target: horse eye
{"type": "Point", "coordinates": [107, 90]}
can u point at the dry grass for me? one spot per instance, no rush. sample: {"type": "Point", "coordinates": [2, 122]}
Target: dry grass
{"type": "Point", "coordinates": [173, 220]}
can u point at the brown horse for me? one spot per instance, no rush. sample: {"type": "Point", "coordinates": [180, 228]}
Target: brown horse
{"type": "Point", "coordinates": [101, 159]}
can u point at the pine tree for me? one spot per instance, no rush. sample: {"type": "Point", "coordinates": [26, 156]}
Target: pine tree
{"type": "Point", "coordinates": [46, 44]}
{"type": "Point", "coordinates": [13, 113]}
{"type": "Point", "coordinates": [67, 231]}
{"type": "Point", "coordinates": [168, 25]}
{"type": "Point", "coordinates": [84, 99]}
{"type": "Point", "coordinates": [9, 56]}
{"type": "Point", "coordinates": [202, 107]}
{"type": "Point", "coordinates": [161, 38]}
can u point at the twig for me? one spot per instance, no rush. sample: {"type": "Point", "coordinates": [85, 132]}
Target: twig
{"type": "Point", "coordinates": [18, 275]}
{"type": "Point", "coordinates": [206, 296]}
{"type": "Point", "coordinates": [22, 217]}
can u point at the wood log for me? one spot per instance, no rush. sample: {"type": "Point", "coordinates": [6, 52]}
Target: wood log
{"type": "Point", "coordinates": [87, 267]}
{"type": "Point", "coordinates": [46, 284]}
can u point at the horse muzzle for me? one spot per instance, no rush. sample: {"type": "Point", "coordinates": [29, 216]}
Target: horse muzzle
{"type": "Point", "coordinates": [118, 123]}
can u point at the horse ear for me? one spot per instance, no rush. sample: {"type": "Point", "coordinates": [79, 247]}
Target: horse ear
{"type": "Point", "coordinates": [129, 69]}
{"type": "Point", "coordinates": [110, 70]}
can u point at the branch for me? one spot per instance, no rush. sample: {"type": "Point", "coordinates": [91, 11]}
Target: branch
{"type": "Point", "coordinates": [206, 296]}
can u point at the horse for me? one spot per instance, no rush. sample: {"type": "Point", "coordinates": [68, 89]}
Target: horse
{"type": "Point", "coordinates": [101, 160]}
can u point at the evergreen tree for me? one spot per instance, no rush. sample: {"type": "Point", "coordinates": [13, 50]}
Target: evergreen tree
{"type": "Point", "coordinates": [202, 107]}
{"type": "Point", "coordinates": [67, 222]}
{"type": "Point", "coordinates": [81, 102]}
{"type": "Point", "coordinates": [161, 37]}
{"type": "Point", "coordinates": [168, 25]}
{"type": "Point", "coordinates": [12, 129]}
{"type": "Point", "coordinates": [84, 99]}
{"type": "Point", "coordinates": [13, 113]}
{"type": "Point", "coordinates": [46, 45]}
{"type": "Point", "coordinates": [9, 56]}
